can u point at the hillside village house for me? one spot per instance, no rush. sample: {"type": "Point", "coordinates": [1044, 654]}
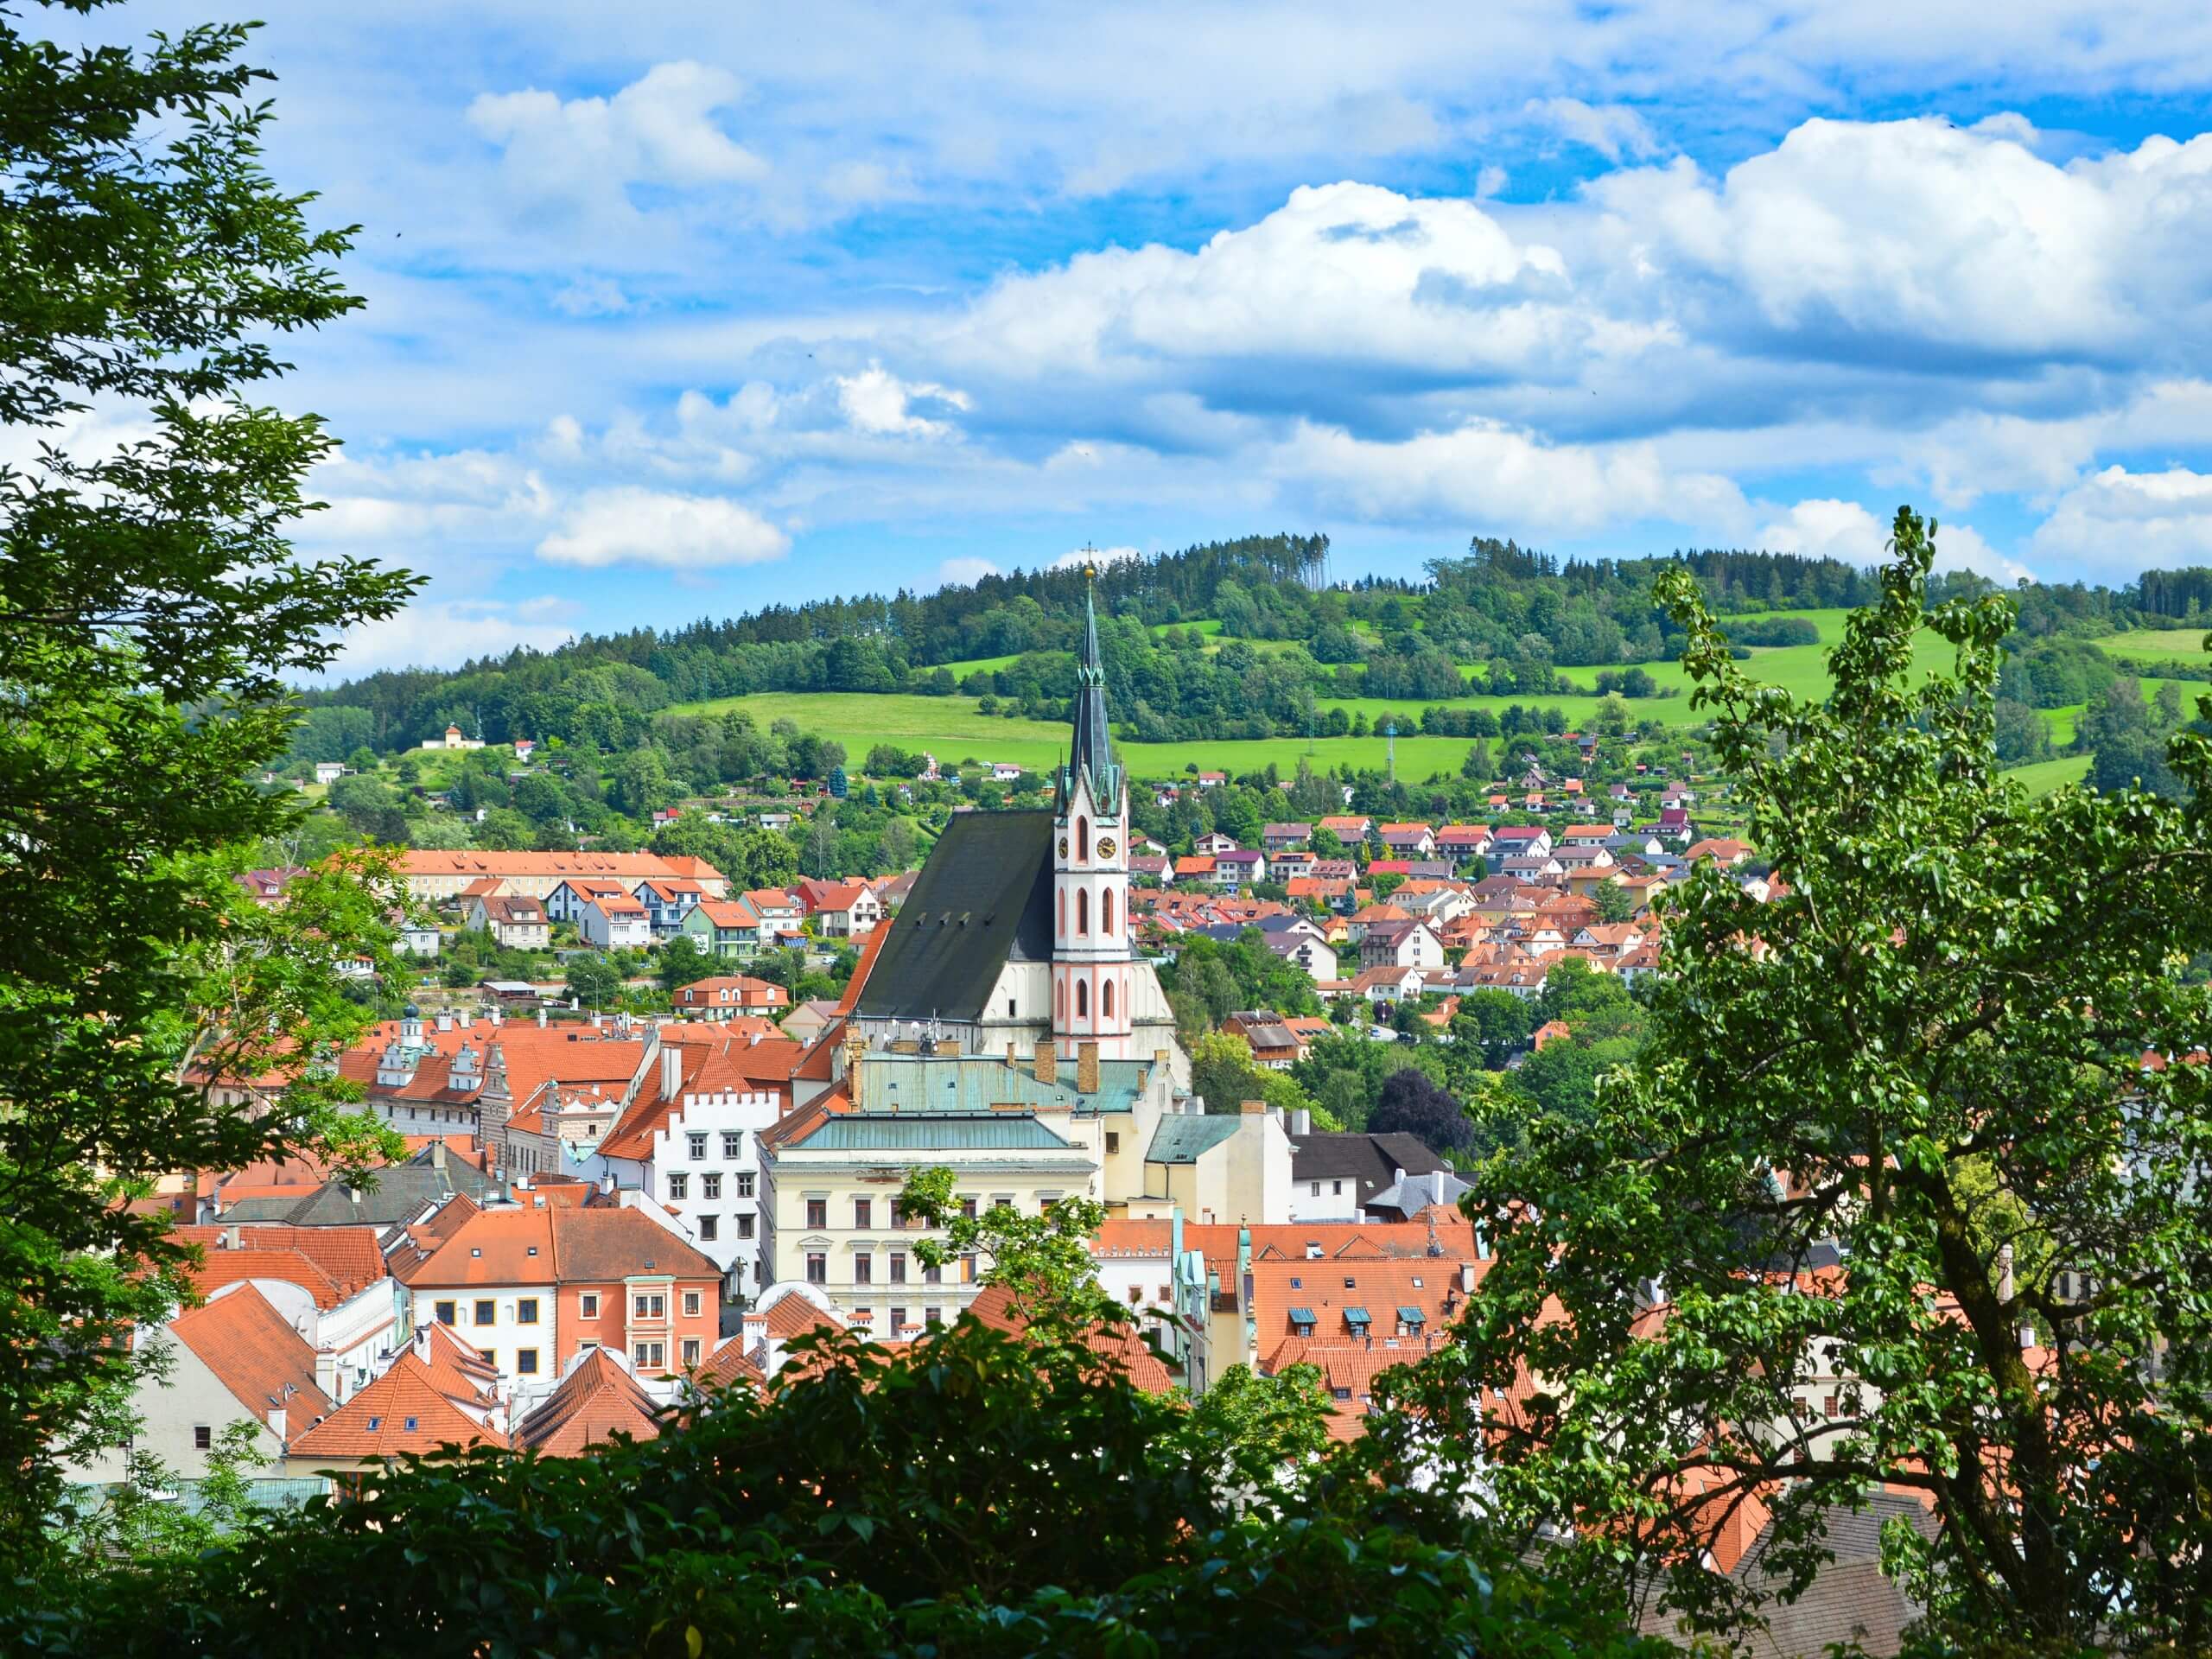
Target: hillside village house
{"type": "Point", "coordinates": [567, 901]}
{"type": "Point", "coordinates": [1517, 840]}
{"type": "Point", "coordinates": [728, 996]}
{"type": "Point", "coordinates": [1284, 837]}
{"type": "Point", "coordinates": [668, 900]}
{"type": "Point", "coordinates": [436, 876]}
{"type": "Point", "coordinates": [842, 910]}
{"type": "Point", "coordinates": [730, 928]}
{"type": "Point", "coordinates": [780, 912]}
{"type": "Point", "coordinates": [614, 922]}
{"type": "Point", "coordinates": [437, 1393]}
{"type": "Point", "coordinates": [520, 924]}
{"type": "Point", "coordinates": [1408, 840]}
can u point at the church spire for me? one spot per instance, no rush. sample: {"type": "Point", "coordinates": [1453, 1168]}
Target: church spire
{"type": "Point", "coordinates": [1093, 750]}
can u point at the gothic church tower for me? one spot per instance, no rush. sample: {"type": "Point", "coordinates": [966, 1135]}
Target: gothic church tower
{"type": "Point", "coordinates": [1092, 957]}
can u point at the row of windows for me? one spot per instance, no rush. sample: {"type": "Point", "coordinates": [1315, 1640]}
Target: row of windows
{"type": "Point", "coordinates": [1083, 910]}
{"type": "Point", "coordinates": [817, 1269]}
{"type": "Point", "coordinates": [733, 1144]}
{"type": "Point", "coordinates": [645, 1305]}
{"type": "Point", "coordinates": [710, 1227]}
{"type": "Point", "coordinates": [817, 1210]}
{"type": "Point", "coordinates": [1082, 999]}
{"type": "Point", "coordinates": [710, 1184]}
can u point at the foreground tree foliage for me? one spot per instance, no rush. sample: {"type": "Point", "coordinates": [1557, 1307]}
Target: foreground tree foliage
{"type": "Point", "coordinates": [149, 607]}
{"type": "Point", "coordinates": [1897, 1126]}
{"type": "Point", "coordinates": [974, 1494]}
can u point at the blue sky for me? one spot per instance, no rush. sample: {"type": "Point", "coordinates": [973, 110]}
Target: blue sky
{"type": "Point", "coordinates": [719, 306]}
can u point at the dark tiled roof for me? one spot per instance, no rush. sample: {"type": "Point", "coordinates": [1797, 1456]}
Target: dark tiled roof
{"type": "Point", "coordinates": [983, 899]}
{"type": "Point", "coordinates": [402, 1192]}
{"type": "Point", "coordinates": [1373, 1160]}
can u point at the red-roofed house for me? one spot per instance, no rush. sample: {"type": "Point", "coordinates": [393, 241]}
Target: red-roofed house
{"type": "Point", "coordinates": [841, 910]}
{"type": "Point", "coordinates": [404, 1410]}
{"type": "Point", "coordinates": [530, 1288]}
{"type": "Point", "coordinates": [330, 1285]}
{"type": "Point", "coordinates": [727, 995]}
{"type": "Point", "coordinates": [597, 1398]}
{"type": "Point", "coordinates": [615, 922]}
{"type": "Point", "coordinates": [237, 1359]}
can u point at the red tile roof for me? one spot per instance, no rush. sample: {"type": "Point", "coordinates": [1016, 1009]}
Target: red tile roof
{"type": "Point", "coordinates": [329, 1264]}
{"type": "Point", "coordinates": [255, 1353]}
{"type": "Point", "coordinates": [597, 1400]}
{"type": "Point", "coordinates": [404, 1410]}
{"type": "Point", "coordinates": [1111, 1339]}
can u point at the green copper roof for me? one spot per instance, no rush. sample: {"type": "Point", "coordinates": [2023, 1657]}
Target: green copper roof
{"type": "Point", "coordinates": [977, 1082]}
{"type": "Point", "coordinates": [933, 1132]}
{"type": "Point", "coordinates": [1184, 1140]}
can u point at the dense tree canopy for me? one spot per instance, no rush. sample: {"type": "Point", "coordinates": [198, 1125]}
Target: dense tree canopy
{"type": "Point", "coordinates": [1913, 1185]}
{"type": "Point", "coordinates": [149, 607]}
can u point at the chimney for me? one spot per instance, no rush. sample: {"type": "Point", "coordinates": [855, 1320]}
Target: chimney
{"type": "Point", "coordinates": [229, 1239]}
{"type": "Point", "coordinates": [496, 1015]}
{"type": "Point", "coordinates": [671, 1071]}
{"type": "Point", "coordinates": [326, 1373]}
{"type": "Point", "coordinates": [444, 1018]}
{"type": "Point", "coordinates": [1048, 1061]}
{"type": "Point", "coordinates": [438, 1153]}
{"type": "Point", "coordinates": [277, 1421]}
{"type": "Point", "coordinates": [1253, 1107]}
{"type": "Point", "coordinates": [1086, 1068]}
{"type": "Point", "coordinates": [541, 1019]}
{"type": "Point", "coordinates": [1302, 1122]}
{"type": "Point", "coordinates": [1466, 1278]}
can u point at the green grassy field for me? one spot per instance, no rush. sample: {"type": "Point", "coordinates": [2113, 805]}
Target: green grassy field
{"type": "Point", "coordinates": [2158, 644]}
{"type": "Point", "coordinates": [950, 728]}
{"type": "Point", "coordinates": [2045, 775]}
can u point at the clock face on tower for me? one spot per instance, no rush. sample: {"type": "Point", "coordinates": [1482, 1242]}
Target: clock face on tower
{"type": "Point", "coordinates": [1105, 846]}
{"type": "Point", "coordinates": [1063, 846]}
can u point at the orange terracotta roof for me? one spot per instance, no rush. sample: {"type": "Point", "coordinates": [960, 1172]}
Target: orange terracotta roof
{"type": "Point", "coordinates": [404, 1410]}
{"type": "Point", "coordinates": [255, 1353]}
{"type": "Point", "coordinates": [793, 1315]}
{"type": "Point", "coordinates": [555, 1244]}
{"type": "Point", "coordinates": [597, 1400]}
{"type": "Point", "coordinates": [1112, 1340]}
{"type": "Point", "coordinates": [730, 1367]}
{"type": "Point", "coordinates": [478, 863]}
{"type": "Point", "coordinates": [456, 1370]}
{"type": "Point", "coordinates": [330, 1263]}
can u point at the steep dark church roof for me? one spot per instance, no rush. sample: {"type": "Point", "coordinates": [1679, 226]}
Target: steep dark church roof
{"type": "Point", "coordinates": [983, 899]}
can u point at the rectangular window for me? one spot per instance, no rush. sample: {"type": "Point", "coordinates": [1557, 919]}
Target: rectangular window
{"type": "Point", "coordinates": [710, 1227]}
{"type": "Point", "coordinates": [587, 1305]}
{"type": "Point", "coordinates": [933, 1275]}
{"type": "Point", "coordinates": [1317, 1189]}
{"type": "Point", "coordinates": [697, 1143]}
{"type": "Point", "coordinates": [203, 1437]}
{"type": "Point", "coordinates": [817, 1268]}
{"type": "Point", "coordinates": [525, 1362]}
{"type": "Point", "coordinates": [817, 1213]}
{"type": "Point", "coordinates": [1113, 1142]}
{"type": "Point", "coordinates": [745, 1226]}
{"type": "Point", "coordinates": [690, 1351]}
{"type": "Point", "coordinates": [863, 1268]}
{"type": "Point", "coordinates": [488, 1313]}
{"type": "Point", "coordinates": [446, 1313]}
{"type": "Point", "coordinates": [898, 1266]}
{"type": "Point", "coordinates": [898, 1213]}
{"type": "Point", "coordinates": [526, 1311]}
{"type": "Point", "coordinates": [679, 1185]}
{"type": "Point", "coordinates": [690, 1304]}
{"type": "Point", "coordinates": [864, 1214]}
{"type": "Point", "coordinates": [898, 1320]}
{"type": "Point", "coordinates": [932, 1317]}
{"type": "Point", "coordinates": [732, 1143]}
{"type": "Point", "coordinates": [968, 1268]}
{"type": "Point", "coordinates": [968, 1209]}
{"type": "Point", "coordinates": [487, 1355]}
{"type": "Point", "coordinates": [645, 1307]}
{"type": "Point", "coordinates": [1166, 1294]}
{"type": "Point", "coordinates": [650, 1355]}
{"type": "Point", "coordinates": [1337, 1187]}
{"type": "Point", "coordinates": [745, 1184]}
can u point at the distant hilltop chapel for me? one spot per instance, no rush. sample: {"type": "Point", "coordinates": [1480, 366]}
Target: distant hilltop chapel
{"type": "Point", "coordinates": [1016, 933]}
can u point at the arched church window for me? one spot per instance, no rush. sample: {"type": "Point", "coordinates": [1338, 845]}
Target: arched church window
{"type": "Point", "coordinates": [1060, 1001]}
{"type": "Point", "coordinates": [1106, 1000]}
{"type": "Point", "coordinates": [1082, 910]}
{"type": "Point", "coordinates": [1106, 910]}
{"type": "Point", "coordinates": [1082, 837]}
{"type": "Point", "coordinates": [1082, 999]}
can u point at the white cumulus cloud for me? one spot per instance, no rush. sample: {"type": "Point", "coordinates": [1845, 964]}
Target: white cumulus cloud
{"type": "Point", "coordinates": [965, 570]}
{"type": "Point", "coordinates": [1827, 528]}
{"type": "Point", "coordinates": [629, 525]}
{"type": "Point", "coordinates": [879, 402]}
{"type": "Point", "coordinates": [2118, 523]}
